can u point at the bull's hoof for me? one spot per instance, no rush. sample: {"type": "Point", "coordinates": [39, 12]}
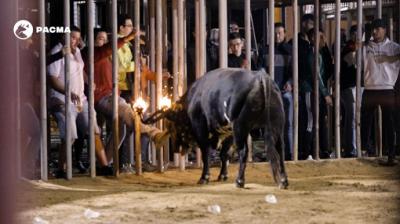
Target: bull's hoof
{"type": "Point", "coordinates": [239, 183]}
{"type": "Point", "coordinates": [283, 184]}
{"type": "Point", "coordinates": [222, 177]}
{"type": "Point", "coordinates": [202, 181]}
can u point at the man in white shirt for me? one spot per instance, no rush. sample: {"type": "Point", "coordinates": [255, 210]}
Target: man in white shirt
{"type": "Point", "coordinates": [79, 106]}
{"type": "Point", "coordinates": [381, 69]}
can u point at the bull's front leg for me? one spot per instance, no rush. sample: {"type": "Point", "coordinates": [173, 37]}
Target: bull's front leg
{"type": "Point", "coordinates": [226, 144]}
{"type": "Point", "coordinates": [205, 175]}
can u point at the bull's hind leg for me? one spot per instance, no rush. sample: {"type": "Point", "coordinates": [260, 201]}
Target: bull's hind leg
{"type": "Point", "coordinates": [205, 175]}
{"type": "Point", "coordinates": [200, 130]}
{"type": "Point", "coordinates": [241, 133]}
{"type": "Point", "coordinates": [226, 144]}
{"type": "Point", "coordinates": [272, 144]}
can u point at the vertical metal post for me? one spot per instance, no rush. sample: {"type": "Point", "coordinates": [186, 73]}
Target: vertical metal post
{"type": "Point", "coordinates": [18, 102]}
{"type": "Point", "coordinates": [152, 13]}
{"type": "Point", "coordinates": [181, 48]}
{"type": "Point", "coordinates": [137, 51]}
{"type": "Point", "coordinates": [295, 60]}
{"type": "Point", "coordinates": [271, 40]}
{"type": "Point", "coordinates": [247, 26]}
{"type": "Point", "coordinates": [358, 83]}
{"type": "Point", "coordinates": [68, 143]}
{"type": "Point", "coordinates": [379, 142]}
{"type": "Point", "coordinates": [138, 145]}
{"type": "Point", "coordinates": [199, 57]}
{"type": "Point", "coordinates": [159, 52]}
{"type": "Point", "coordinates": [391, 34]}
{"type": "Point", "coordinates": [379, 8]}
{"type": "Point", "coordinates": [43, 103]}
{"type": "Point", "coordinates": [337, 80]}
{"type": "Point", "coordinates": [202, 37]}
{"type": "Point", "coordinates": [316, 79]}
{"type": "Point", "coordinates": [90, 13]}
{"type": "Point", "coordinates": [115, 126]}
{"type": "Point", "coordinates": [175, 60]}
{"type": "Point", "coordinates": [223, 34]}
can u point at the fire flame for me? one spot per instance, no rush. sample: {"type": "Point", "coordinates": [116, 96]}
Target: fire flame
{"type": "Point", "coordinates": [165, 103]}
{"type": "Point", "coordinates": [140, 105]}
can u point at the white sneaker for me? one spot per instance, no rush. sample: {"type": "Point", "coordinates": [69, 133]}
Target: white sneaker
{"type": "Point", "coordinates": [310, 157]}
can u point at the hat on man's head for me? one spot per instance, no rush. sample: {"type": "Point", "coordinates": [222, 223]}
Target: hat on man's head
{"type": "Point", "coordinates": [378, 23]}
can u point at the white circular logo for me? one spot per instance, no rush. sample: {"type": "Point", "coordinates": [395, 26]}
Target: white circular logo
{"type": "Point", "coordinates": [23, 29]}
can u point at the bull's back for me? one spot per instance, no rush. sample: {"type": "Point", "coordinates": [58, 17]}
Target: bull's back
{"type": "Point", "coordinates": [221, 94]}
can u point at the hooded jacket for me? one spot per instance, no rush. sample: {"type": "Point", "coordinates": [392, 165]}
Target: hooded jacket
{"type": "Point", "coordinates": [380, 76]}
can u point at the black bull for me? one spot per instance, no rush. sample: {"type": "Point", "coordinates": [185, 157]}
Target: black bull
{"type": "Point", "coordinates": [225, 105]}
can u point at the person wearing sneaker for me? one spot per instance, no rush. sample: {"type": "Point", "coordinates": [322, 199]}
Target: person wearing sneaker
{"type": "Point", "coordinates": [381, 69]}
{"type": "Point", "coordinates": [103, 98]}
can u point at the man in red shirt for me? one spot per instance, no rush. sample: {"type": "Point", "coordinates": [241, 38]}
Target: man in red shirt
{"type": "Point", "coordinates": [103, 91]}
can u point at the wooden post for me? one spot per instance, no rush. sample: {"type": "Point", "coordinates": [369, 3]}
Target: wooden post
{"type": "Point", "coordinates": [43, 103]}
{"type": "Point", "coordinates": [90, 12]}
{"type": "Point", "coordinates": [159, 53]}
{"type": "Point", "coordinates": [295, 67]}
{"type": "Point", "coordinates": [358, 83]}
{"type": "Point", "coordinates": [138, 145]}
{"type": "Point", "coordinates": [337, 80]}
{"type": "Point", "coordinates": [316, 80]}
{"type": "Point", "coordinates": [68, 143]}
{"type": "Point", "coordinates": [223, 34]}
{"type": "Point", "coordinates": [115, 126]}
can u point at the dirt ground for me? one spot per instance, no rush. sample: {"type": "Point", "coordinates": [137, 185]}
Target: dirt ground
{"type": "Point", "coordinates": [331, 191]}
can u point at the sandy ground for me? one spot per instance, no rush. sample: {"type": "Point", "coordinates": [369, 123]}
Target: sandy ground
{"type": "Point", "coordinates": [346, 191]}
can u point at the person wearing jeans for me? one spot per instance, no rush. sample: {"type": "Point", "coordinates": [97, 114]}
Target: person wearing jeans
{"type": "Point", "coordinates": [381, 69]}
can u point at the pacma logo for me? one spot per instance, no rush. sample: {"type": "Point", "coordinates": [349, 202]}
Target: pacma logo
{"type": "Point", "coordinates": [23, 29]}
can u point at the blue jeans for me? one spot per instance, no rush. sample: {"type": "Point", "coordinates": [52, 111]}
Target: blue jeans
{"type": "Point", "coordinates": [287, 98]}
{"type": "Point", "coordinates": [347, 98]}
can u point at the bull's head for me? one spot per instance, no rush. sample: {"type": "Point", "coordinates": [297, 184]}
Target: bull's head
{"type": "Point", "coordinates": [177, 123]}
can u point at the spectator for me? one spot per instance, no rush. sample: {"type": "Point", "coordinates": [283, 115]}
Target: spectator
{"type": "Point", "coordinates": [103, 96]}
{"type": "Point", "coordinates": [283, 78]}
{"type": "Point", "coordinates": [236, 59]}
{"type": "Point", "coordinates": [79, 105]}
{"type": "Point", "coordinates": [381, 69]}
{"type": "Point", "coordinates": [325, 99]}
{"type": "Point", "coordinates": [125, 58]}
{"type": "Point", "coordinates": [348, 77]}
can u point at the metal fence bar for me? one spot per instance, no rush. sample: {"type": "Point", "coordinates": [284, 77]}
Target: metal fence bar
{"type": "Point", "coordinates": [223, 34]}
{"type": "Point", "coordinates": [43, 99]}
{"type": "Point", "coordinates": [271, 40]}
{"type": "Point", "coordinates": [159, 51]}
{"type": "Point", "coordinates": [90, 12]}
{"type": "Point", "coordinates": [295, 55]}
{"type": "Point", "coordinates": [68, 140]}
{"type": "Point", "coordinates": [115, 126]}
{"type": "Point", "coordinates": [337, 80]}
{"type": "Point", "coordinates": [316, 79]}
{"type": "Point", "coordinates": [358, 83]}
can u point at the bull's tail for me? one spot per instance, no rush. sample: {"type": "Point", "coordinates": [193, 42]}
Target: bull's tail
{"type": "Point", "coordinates": [267, 96]}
